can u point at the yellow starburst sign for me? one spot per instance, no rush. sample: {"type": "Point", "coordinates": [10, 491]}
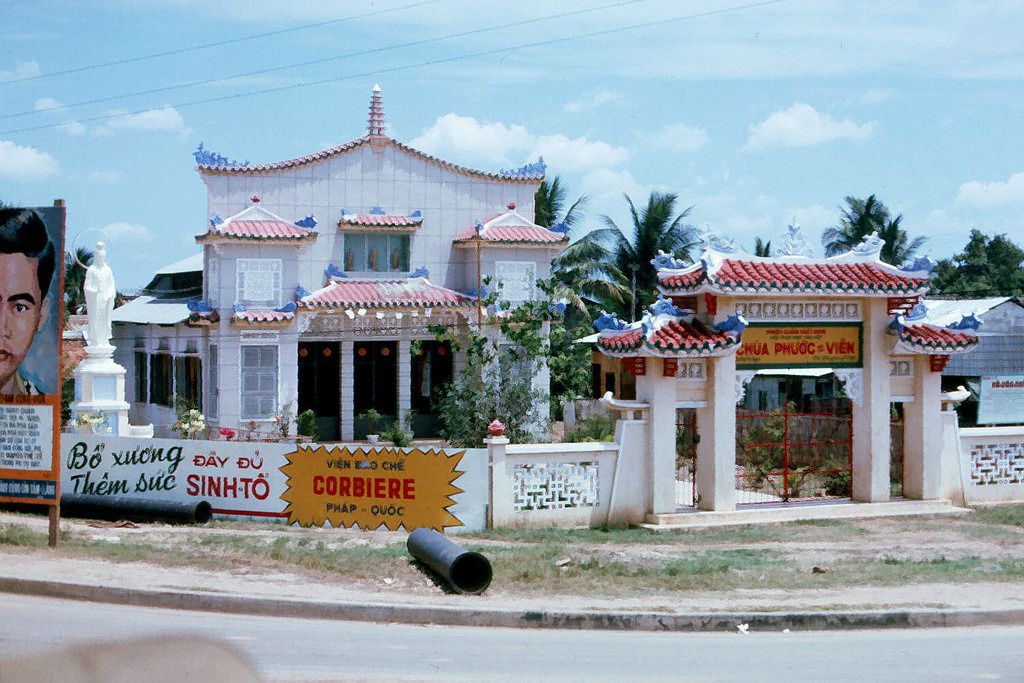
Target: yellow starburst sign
{"type": "Point", "coordinates": [370, 487]}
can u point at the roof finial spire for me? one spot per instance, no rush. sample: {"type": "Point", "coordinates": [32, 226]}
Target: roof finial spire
{"type": "Point", "coordinates": [375, 124]}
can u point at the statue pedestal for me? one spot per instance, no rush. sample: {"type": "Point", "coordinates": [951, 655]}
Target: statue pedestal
{"type": "Point", "coordinates": [99, 390]}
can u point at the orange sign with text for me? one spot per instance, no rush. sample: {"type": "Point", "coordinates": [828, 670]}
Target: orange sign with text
{"type": "Point", "coordinates": [371, 487]}
{"type": "Point", "coordinates": [799, 345]}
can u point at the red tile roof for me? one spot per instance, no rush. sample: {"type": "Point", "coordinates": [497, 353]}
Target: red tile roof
{"type": "Point", "coordinates": [689, 336]}
{"type": "Point", "coordinates": [514, 233]}
{"type": "Point", "coordinates": [261, 317]}
{"type": "Point", "coordinates": [373, 220]}
{"type": "Point", "coordinates": [630, 341]}
{"type": "Point", "coordinates": [278, 166]}
{"type": "Point", "coordinates": [926, 338]}
{"type": "Point", "coordinates": [258, 230]}
{"type": "Point", "coordinates": [819, 276]}
{"type": "Point", "coordinates": [406, 293]}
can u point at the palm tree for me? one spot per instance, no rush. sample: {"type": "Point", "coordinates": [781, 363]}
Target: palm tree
{"type": "Point", "coordinates": [549, 201]}
{"type": "Point", "coordinates": [656, 227]}
{"type": "Point", "coordinates": [898, 247]}
{"type": "Point", "coordinates": [860, 218]}
{"type": "Point", "coordinates": [762, 248]}
{"type": "Point", "coordinates": [74, 279]}
{"type": "Point", "coordinates": [584, 275]}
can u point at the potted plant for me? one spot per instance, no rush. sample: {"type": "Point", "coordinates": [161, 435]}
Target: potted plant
{"type": "Point", "coordinates": [399, 433]}
{"type": "Point", "coordinates": [372, 418]}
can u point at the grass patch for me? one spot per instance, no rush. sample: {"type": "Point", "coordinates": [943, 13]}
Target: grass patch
{"type": "Point", "coordinates": [21, 535]}
{"type": "Point", "coordinates": [1007, 515]}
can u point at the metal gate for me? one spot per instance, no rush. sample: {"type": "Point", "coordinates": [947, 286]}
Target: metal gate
{"type": "Point", "coordinates": [686, 457]}
{"type": "Point", "coordinates": [896, 452]}
{"type": "Point", "coordinates": [786, 455]}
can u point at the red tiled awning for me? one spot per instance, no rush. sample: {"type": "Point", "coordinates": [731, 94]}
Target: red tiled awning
{"type": "Point", "coordinates": [258, 230]}
{"type": "Point", "coordinates": [378, 221]}
{"type": "Point", "coordinates": [406, 293]}
{"type": "Point", "coordinates": [680, 335]}
{"type": "Point", "coordinates": [932, 339]}
{"type": "Point", "coordinates": [261, 317]}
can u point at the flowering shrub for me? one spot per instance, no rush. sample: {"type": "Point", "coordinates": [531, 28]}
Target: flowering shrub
{"type": "Point", "coordinates": [227, 434]}
{"type": "Point", "coordinates": [94, 421]}
{"type": "Point", "coordinates": [190, 423]}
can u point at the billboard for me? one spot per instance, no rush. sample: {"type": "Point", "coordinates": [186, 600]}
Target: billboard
{"type": "Point", "coordinates": [801, 345]}
{"type": "Point", "coordinates": [1001, 400]}
{"type": "Point", "coordinates": [31, 312]}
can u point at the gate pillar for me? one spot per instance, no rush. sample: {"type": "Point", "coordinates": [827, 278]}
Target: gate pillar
{"type": "Point", "coordinates": [716, 425]}
{"type": "Point", "coordinates": [660, 394]}
{"type": "Point", "coordinates": [922, 434]}
{"type": "Point", "coordinates": [871, 411]}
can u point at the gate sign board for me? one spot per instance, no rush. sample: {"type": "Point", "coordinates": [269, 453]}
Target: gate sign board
{"type": "Point", "coordinates": [31, 267]}
{"type": "Point", "coordinates": [1001, 400]}
{"type": "Point", "coordinates": [801, 345]}
{"type": "Point", "coordinates": [370, 487]}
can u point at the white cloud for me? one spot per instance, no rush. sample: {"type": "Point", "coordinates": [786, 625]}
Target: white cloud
{"type": "Point", "coordinates": [72, 127]}
{"type": "Point", "coordinates": [600, 98]}
{"type": "Point", "coordinates": [25, 163]}
{"type": "Point", "coordinates": [454, 137]}
{"type": "Point", "coordinates": [106, 177]}
{"type": "Point", "coordinates": [995, 193]}
{"type": "Point", "coordinates": [803, 126]}
{"type": "Point", "coordinates": [48, 104]}
{"type": "Point", "coordinates": [681, 138]}
{"type": "Point", "coordinates": [52, 106]}
{"type": "Point", "coordinates": [129, 232]}
{"type": "Point", "coordinates": [22, 70]}
{"type": "Point", "coordinates": [166, 119]}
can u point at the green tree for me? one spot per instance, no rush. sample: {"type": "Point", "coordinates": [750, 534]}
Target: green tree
{"type": "Point", "coordinates": [549, 202]}
{"type": "Point", "coordinates": [74, 279]}
{"type": "Point", "coordinates": [655, 227]}
{"type": "Point", "coordinates": [862, 217]}
{"type": "Point", "coordinates": [987, 266]}
{"type": "Point", "coordinates": [762, 248]}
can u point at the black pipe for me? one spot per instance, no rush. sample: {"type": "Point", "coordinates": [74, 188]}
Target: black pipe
{"type": "Point", "coordinates": [464, 570]}
{"type": "Point", "coordinates": [116, 508]}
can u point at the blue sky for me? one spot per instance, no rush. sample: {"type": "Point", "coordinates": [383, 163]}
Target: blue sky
{"type": "Point", "coordinates": [754, 113]}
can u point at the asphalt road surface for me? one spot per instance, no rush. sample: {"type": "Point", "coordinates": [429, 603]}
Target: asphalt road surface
{"type": "Point", "coordinates": [304, 649]}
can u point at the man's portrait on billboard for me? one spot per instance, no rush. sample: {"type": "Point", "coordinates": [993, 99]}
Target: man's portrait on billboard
{"type": "Point", "coordinates": [29, 347]}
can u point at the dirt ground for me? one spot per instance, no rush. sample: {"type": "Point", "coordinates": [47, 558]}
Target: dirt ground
{"type": "Point", "coordinates": [972, 561]}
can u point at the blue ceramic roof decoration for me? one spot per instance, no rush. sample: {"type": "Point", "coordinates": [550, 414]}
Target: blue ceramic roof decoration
{"type": "Point", "coordinates": [918, 312]}
{"type": "Point", "coordinates": [307, 222]}
{"type": "Point", "coordinates": [216, 220]}
{"type": "Point", "coordinates": [416, 214]}
{"type": "Point", "coordinates": [289, 307]}
{"type": "Point", "coordinates": [334, 271]}
{"type": "Point", "coordinates": [667, 261]}
{"type": "Point", "coordinates": [237, 307]}
{"type": "Point", "coordinates": [665, 307]}
{"type": "Point", "coordinates": [557, 308]}
{"type": "Point", "coordinates": [377, 211]}
{"type": "Point", "coordinates": [609, 321]}
{"type": "Point", "coordinates": [198, 306]}
{"type": "Point", "coordinates": [710, 239]}
{"type": "Point", "coordinates": [537, 168]}
{"type": "Point", "coordinates": [734, 324]}
{"type": "Point", "coordinates": [301, 292]}
{"type": "Point", "coordinates": [205, 157]}
{"type": "Point", "coordinates": [967, 322]}
{"type": "Point", "coordinates": [920, 264]}
{"type": "Point", "coordinates": [420, 272]}
{"type": "Point", "coordinates": [560, 227]}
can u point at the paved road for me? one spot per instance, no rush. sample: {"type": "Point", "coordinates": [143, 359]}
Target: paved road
{"type": "Point", "coordinates": [311, 649]}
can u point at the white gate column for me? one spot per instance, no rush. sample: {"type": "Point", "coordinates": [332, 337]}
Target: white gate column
{"type": "Point", "coordinates": [871, 411]}
{"type": "Point", "coordinates": [347, 379]}
{"type": "Point", "coordinates": [922, 434]}
{"type": "Point", "coordinates": [660, 393]}
{"type": "Point", "coordinates": [716, 425]}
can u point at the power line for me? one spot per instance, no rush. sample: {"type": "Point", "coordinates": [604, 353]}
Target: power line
{"type": "Point", "coordinates": [361, 53]}
{"type": "Point", "coordinates": [203, 46]}
{"type": "Point", "coordinates": [407, 67]}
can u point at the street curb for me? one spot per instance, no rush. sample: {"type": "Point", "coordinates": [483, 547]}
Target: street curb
{"type": "Point", "coordinates": [459, 616]}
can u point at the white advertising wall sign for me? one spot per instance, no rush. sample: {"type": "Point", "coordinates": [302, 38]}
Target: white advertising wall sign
{"type": "Point", "coordinates": [1001, 400]}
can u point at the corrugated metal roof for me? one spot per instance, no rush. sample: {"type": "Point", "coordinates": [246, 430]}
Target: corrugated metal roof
{"type": "Point", "coordinates": [191, 264]}
{"type": "Point", "coordinates": [947, 311]}
{"type": "Point", "coordinates": [150, 310]}
{"type": "Point", "coordinates": [995, 355]}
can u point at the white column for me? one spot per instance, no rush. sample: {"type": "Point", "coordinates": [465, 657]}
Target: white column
{"type": "Point", "coordinates": [716, 425]}
{"type": "Point", "coordinates": [922, 434]}
{"type": "Point", "coordinates": [660, 393]}
{"type": "Point", "coordinates": [871, 415]}
{"type": "Point", "coordinates": [347, 397]}
{"type": "Point", "coordinates": [404, 378]}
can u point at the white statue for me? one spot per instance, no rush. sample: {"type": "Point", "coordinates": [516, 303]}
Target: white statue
{"type": "Point", "coordinates": [99, 298]}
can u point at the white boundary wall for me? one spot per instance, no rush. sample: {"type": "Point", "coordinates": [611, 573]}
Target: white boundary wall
{"type": "Point", "coordinates": [992, 464]}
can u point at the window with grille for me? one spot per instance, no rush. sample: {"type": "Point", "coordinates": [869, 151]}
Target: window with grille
{"type": "Point", "coordinates": [376, 252]}
{"type": "Point", "coordinates": [259, 382]}
{"type": "Point", "coordinates": [214, 383]}
{"type": "Point", "coordinates": [259, 282]}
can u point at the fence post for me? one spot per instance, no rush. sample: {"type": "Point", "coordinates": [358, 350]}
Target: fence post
{"type": "Point", "coordinates": [785, 451]}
